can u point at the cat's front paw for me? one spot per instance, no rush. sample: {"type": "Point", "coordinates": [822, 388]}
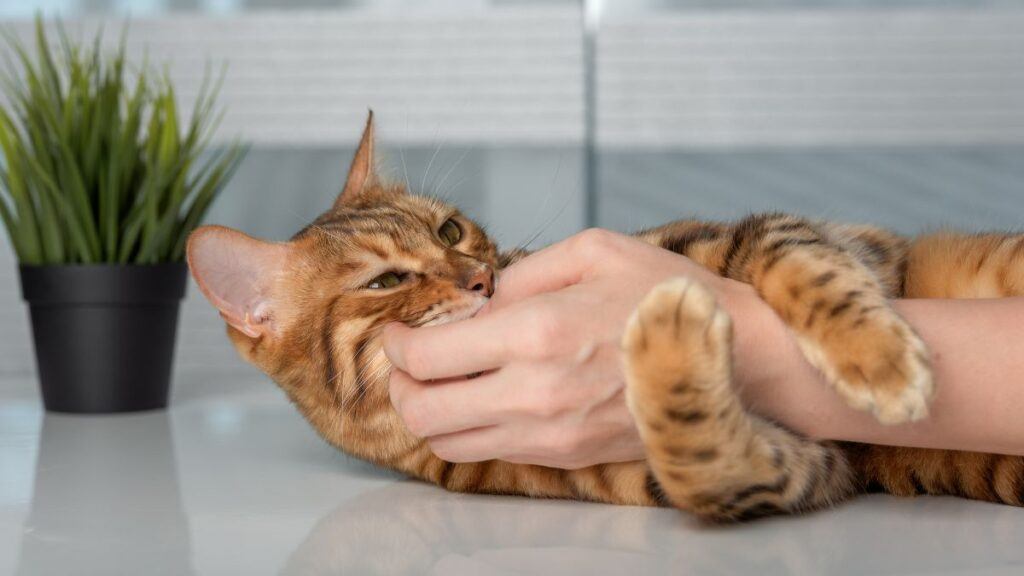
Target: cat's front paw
{"type": "Point", "coordinates": [881, 366]}
{"type": "Point", "coordinates": [676, 344]}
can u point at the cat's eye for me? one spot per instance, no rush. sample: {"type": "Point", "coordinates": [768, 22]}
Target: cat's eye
{"type": "Point", "coordinates": [450, 233]}
{"type": "Point", "coordinates": [386, 280]}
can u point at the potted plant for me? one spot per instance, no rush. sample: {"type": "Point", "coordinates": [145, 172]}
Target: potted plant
{"type": "Point", "coordinates": [101, 182]}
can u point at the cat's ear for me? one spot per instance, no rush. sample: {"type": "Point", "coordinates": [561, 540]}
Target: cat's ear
{"type": "Point", "coordinates": [363, 173]}
{"type": "Point", "coordinates": [236, 272]}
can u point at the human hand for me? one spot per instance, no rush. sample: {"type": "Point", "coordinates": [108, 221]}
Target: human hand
{"type": "Point", "coordinates": [547, 348]}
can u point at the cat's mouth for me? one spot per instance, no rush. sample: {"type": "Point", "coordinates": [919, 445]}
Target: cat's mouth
{"type": "Point", "coordinates": [446, 313]}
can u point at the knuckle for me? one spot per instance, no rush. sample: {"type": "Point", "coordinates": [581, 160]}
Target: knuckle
{"type": "Point", "coordinates": [565, 446]}
{"type": "Point", "coordinates": [455, 451]}
{"type": "Point", "coordinates": [593, 242]}
{"type": "Point", "coordinates": [415, 419]}
{"type": "Point", "coordinates": [400, 391]}
{"type": "Point", "coordinates": [545, 331]}
{"type": "Point", "coordinates": [443, 450]}
{"type": "Point", "coordinates": [396, 391]}
{"type": "Point", "coordinates": [417, 362]}
{"type": "Point", "coordinates": [546, 400]}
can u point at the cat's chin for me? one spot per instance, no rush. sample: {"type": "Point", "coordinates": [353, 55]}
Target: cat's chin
{"type": "Point", "coordinates": [462, 312]}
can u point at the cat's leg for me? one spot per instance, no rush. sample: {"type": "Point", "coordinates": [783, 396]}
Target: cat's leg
{"type": "Point", "coordinates": [837, 307]}
{"type": "Point", "coordinates": [708, 454]}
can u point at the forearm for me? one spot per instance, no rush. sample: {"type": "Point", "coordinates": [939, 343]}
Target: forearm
{"type": "Point", "coordinates": [977, 349]}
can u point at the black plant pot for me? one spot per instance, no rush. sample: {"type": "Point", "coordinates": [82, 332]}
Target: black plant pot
{"type": "Point", "coordinates": [104, 334]}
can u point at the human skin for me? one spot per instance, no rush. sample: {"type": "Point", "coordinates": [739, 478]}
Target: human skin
{"type": "Point", "coordinates": [547, 382]}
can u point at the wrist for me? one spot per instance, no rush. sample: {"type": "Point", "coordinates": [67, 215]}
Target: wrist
{"type": "Point", "coordinates": [764, 351]}
{"type": "Point", "coordinates": [753, 326]}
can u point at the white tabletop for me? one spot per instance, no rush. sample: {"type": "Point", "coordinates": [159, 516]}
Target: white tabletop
{"type": "Point", "coordinates": [230, 480]}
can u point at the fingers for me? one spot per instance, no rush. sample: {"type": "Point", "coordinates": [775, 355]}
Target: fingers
{"type": "Point", "coordinates": [436, 408]}
{"type": "Point", "coordinates": [551, 445]}
{"type": "Point", "coordinates": [508, 444]}
{"type": "Point", "coordinates": [554, 267]}
{"type": "Point", "coordinates": [457, 349]}
{"type": "Point", "coordinates": [472, 445]}
{"type": "Point", "coordinates": [544, 444]}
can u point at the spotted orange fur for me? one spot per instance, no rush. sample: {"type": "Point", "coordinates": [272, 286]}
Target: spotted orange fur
{"type": "Point", "coordinates": [299, 311]}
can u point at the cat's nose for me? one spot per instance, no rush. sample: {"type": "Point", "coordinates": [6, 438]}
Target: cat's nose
{"type": "Point", "coordinates": [480, 280]}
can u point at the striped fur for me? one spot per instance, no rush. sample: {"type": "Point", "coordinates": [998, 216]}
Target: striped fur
{"type": "Point", "coordinates": [814, 274]}
{"type": "Point", "coordinates": [705, 453]}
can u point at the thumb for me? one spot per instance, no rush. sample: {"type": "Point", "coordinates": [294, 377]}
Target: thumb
{"type": "Point", "coordinates": [558, 266]}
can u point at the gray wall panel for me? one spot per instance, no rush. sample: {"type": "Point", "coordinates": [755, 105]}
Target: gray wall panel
{"type": "Point", "coordinates": [811, 77]}
{"type": "Point", "coordinates": [306, 77]}
{"type": "Point", "coordinates": [903, 188]}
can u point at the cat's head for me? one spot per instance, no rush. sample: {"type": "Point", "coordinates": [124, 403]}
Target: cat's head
{"type": "Point", "coordinates": [309, 311]}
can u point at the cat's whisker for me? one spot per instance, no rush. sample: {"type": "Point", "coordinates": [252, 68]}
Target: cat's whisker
{"type": "Point", "coordinates": [554, 217]}
{"type": "Point", "coordinates": [364, 382]}
{"type": "Point", "coordinates": [440, 185]}
{"type": "Point", "coordinates": [360, 374]}
{"type": "Point", "coordinates": [405, 168]}
{"type": "Point", "coordinates": [447, 193]}
{"type": "Point", "coordinates": [364, 378]}
{"type": "Point", "coordinates": [545, 225]}
{"type": "Point", "coordinates": [331, 380]}
{"type": "Point", "coordinates": [423, 181]}
{"type": "Point", "coordinates": [360, 370]}
{"type": "Point", "coordinates": [551, 185]}
{"type": "Point", "coordinates": [348, 395]}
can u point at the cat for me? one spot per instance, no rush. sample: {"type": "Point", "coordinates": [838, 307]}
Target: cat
{"type": "Point", "coordinates": [308, 312]}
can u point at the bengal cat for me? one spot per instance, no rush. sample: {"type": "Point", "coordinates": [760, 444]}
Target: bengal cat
{"type": "Point", "coordinates": [308, 312]}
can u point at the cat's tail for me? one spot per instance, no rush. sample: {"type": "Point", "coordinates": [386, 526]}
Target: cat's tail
{"type": "Point", "coordinates": [913, 471]}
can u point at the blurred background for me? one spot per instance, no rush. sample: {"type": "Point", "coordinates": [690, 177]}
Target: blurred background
{"type": "Point", "coordinates": [539, 118]}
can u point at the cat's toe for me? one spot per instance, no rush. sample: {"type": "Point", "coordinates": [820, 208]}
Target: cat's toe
{"type": "Point", "coordinates": [910, 403]}
{"type": "Point", "coordinates": [676, 328]}
{"type": "Point", "coordinates": [889, 375]}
